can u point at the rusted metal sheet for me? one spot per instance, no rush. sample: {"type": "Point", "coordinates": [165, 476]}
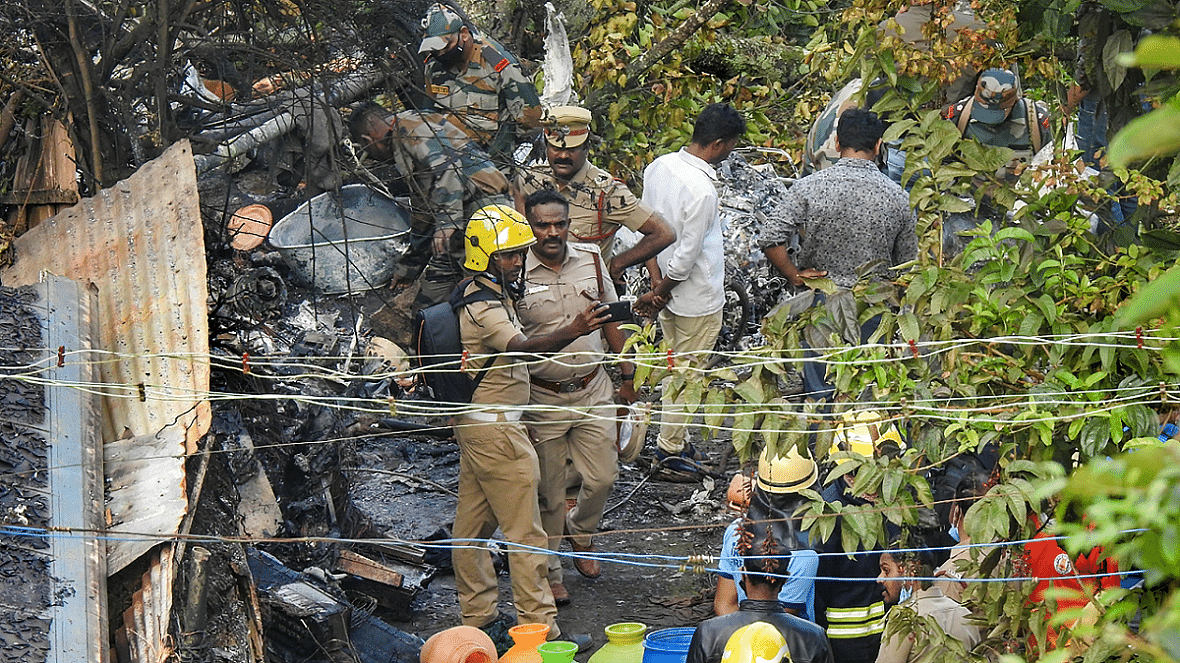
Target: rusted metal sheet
{"type": "Point", "coordinates": [141, 243]}
{"type": "Point", "coordinates": [144, 636]}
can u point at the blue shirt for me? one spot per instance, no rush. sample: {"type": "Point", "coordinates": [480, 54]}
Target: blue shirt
{"type": "Point", "coordinates": [798, 593]}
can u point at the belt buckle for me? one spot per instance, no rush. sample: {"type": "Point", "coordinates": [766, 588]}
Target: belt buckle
{"type": "Point", "coordinates": [569, 387]}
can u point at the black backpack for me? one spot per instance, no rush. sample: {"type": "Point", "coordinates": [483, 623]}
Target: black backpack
{"type": "Point", "coordinates": [439, 348]}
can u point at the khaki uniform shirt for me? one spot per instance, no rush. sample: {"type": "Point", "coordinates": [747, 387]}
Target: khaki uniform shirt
{"type": "Point", "coordinates": [951, 617]}
{"type": "Point", "coordinates": [491, 91]}
{"type": "Point", "coordinates": [486, 328]}
{"type": "Point", "coordinates": [599, 204]}
{"type": "Point", "coordinates": [553, 298]}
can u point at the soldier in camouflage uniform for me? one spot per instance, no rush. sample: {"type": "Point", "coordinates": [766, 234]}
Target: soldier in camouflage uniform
{"type": "Point", "coordinates": [820, 150]}
{"type": "Point", "coordinates": [998, 115]}
{"type": "Point", "coordinates": [598, 203]}
{"type": "Point", "coordinates": [448, 176]}
{"type": "Point", "coordinates": [478, 82]}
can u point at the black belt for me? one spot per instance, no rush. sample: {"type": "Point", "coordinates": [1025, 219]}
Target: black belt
{"type": "Point", "coordinates": [569, 386]}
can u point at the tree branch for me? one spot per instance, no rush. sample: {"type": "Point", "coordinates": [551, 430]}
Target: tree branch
{"type": "Point", "coordinates": [662, 49]}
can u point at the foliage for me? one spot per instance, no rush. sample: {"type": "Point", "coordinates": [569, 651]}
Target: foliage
{"type": "Point", "coordinates": [653, 114]}
{"type": "Point", "coordinates": [1158, 132]}
{"type": "Point", "coordinates": [1132, 509]}
{"type": "Point", "coordinates": [1012, 343]}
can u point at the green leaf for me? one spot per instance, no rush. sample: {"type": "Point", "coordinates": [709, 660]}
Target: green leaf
{"type": "Point", "coordinates": [1095, 434]}
{"type": "Point", "coordinates": [907, 324]}
{"type": "Point", "coordinates": [1154, 134]}
{"type": "Point", "coordinates": [842, 309]}
{"type": "Point", "coordinates": [885, 57]}
{"type": "Point", "coordinates": [1048, 308]}
{"type": "Point", "coordinates": [984, 158]}
{"type": "Point", "coordinates": [716, 411]}
{"type": "Point", "coordinates": [1162, 239]}
{"type": "Point", "coordinates": [1117, 44]}
{"type": "Point", "coordinates": [1155, 300]}
{"type": "Point", "coordinates": [743, 424]}
{"type": "Point", "coordinates": [897, 129]}
{"type": "Point", "coordinates": [1124, 6]}
{"type": "Point", "coordinates": [1116, 425]}
{"type": "Point", "coordinates": [690, 397]}
{"type": "Point", "coordinates": [1154, 52]}
{"type": "Point", "coordinates": [941, 141]}
{"type": "Point", "coordinates": [751, 390]}
{"type": "Point", "coordinates": [889, 485]}
{"type": "Point", "coordinates": [1014, 233]}
{"type": "Point", "coordinates": [951, 203]}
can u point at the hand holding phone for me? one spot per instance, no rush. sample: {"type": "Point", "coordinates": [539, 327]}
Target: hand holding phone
{"type": "Point", "coordinates": [619, 311]}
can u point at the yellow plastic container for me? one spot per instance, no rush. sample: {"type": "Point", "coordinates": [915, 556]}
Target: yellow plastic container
{"type": "Point", "coordinates": [624, 644]}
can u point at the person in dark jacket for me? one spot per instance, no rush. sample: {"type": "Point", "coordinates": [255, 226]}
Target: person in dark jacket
{"type": "Point", "coordinates": [848, 602]}
{"type": "Point", "coordinates": [765, 549]}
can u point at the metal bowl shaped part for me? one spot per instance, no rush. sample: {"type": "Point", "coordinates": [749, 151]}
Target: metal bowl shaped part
{"type": "Point", "coordinates": [343, 245]}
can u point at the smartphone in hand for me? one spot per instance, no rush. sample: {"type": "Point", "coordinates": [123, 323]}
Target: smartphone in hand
{"type": "Point", "coordinates": [619, 311]}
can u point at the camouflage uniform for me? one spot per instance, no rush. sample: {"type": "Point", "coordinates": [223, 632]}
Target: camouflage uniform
{"type": "Point", "coordinates": [992, 94]}
{"type": "Point", "coordinates": [491, 86]}
{"type": "Point", "coordinates": [820, 150]}
{"type": "Point", "coordinates": [450, 177]}
{"type": "Point", "coordinates": [599, 204]}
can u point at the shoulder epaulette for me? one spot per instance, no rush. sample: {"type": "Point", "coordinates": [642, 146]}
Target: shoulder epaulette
{"type": "Point", "coordinates": [492, 53]}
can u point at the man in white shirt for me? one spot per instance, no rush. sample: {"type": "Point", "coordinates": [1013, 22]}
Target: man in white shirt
{"type": "Point", "coordinates": [688, 279]}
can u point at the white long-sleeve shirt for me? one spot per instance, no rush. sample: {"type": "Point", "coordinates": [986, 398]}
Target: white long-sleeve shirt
{"type": "Point", "coordinates": [681, 188]}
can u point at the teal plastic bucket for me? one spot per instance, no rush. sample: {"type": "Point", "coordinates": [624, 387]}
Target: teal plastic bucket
{"type": "Point", "coordinates": [667, 645]}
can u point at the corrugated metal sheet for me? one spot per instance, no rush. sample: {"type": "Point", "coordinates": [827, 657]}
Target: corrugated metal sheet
{"type": "Point", "coordinates": [141, 244]}
{"type": "Point", "coordinates": [143, 474]}
{"type": "Point", "coordinates": [144, 636]}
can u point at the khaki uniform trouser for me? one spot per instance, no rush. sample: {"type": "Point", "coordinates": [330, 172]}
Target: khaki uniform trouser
{"type": "Point", "coordinates": [498, 477]}
{"type": "Point", "coordinates": [684, 335]}
{"type": "Point", "coordinates": [587, 437]}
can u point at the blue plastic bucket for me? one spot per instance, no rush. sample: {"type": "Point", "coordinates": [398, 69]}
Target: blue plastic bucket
{"type": "Point", "coordinates": [667, 645]}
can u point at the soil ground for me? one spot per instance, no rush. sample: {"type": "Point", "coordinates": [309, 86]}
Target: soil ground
{"type": "Point", "coordinates": [658, 520]}
{"type": "Point", "coordinates": [409, 494]}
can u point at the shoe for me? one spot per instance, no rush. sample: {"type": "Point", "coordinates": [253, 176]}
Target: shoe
{"type": "Point", "coordinates": [684, 467]}
{"type": "Point", "coordinates": [582, 640]}
{"type": "Point", "coordinates": [497, 630]}
{"type": "Point", "coordinates": [561, 595]}
{"type": "Point", "coordinates": [589, 567]}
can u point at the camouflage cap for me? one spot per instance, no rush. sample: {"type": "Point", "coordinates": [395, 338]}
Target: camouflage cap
{"type": "Point", "coordinates": [995, 95]}
{"type": "Point", "coordinates": [440, 23]}
{"type": "Point", "coordinates": [567, 126]}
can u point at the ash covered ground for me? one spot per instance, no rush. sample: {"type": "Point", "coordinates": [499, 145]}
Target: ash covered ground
{"type": "Point", "coordinates": [340, 475]}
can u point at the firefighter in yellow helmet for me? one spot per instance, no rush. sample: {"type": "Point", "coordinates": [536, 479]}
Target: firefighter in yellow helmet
{"type": "Point", "coordinates": [854, 612]}
{"type": "Point", "coordinates": [498, 471]}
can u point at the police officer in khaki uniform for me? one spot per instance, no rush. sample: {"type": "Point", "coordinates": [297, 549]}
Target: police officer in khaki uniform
{"type": "Point", "coordinates": [599, 204]}
{"type": "Point", "coordinates": [478, 82]}
{"type": "Point", "coordinates": [575, 417]}
{"type": "Point", "coordinates": [498, 471]}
